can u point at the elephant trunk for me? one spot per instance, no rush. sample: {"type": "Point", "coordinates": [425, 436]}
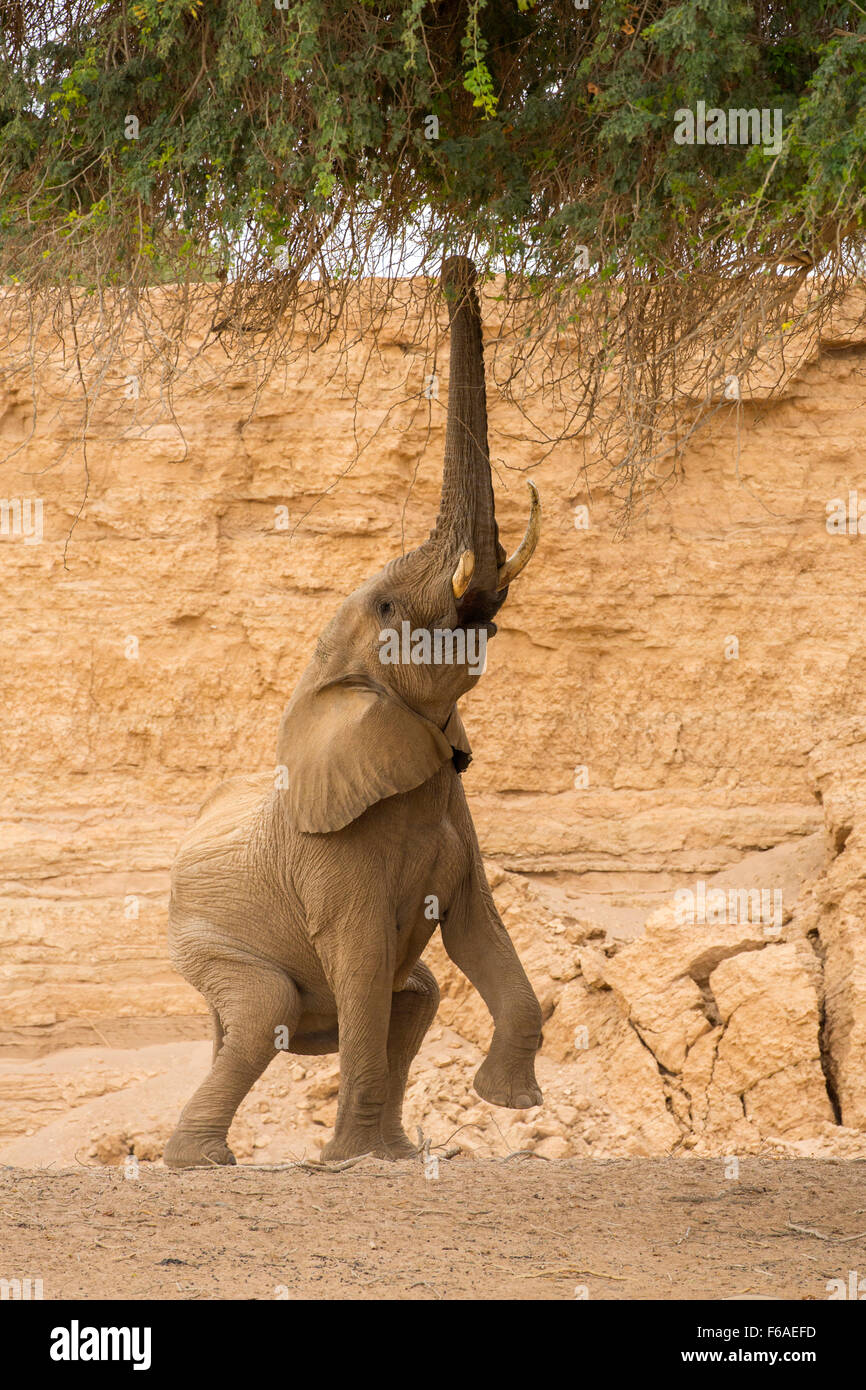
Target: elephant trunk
{"type": "Point", "coordinates": [467, 521]}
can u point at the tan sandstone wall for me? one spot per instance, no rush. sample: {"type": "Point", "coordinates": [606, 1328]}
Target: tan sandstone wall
{"type": "Point", "coordinates": [159, 661]}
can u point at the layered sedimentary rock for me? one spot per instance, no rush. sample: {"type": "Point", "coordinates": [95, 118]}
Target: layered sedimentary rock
{"type": "Point", "coordinates": [657, 709]}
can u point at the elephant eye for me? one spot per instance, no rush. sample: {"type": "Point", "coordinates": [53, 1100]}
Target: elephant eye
{"type": "Point", "coordinates": [384, 610]}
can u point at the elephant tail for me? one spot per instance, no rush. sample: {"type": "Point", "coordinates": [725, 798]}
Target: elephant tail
{"type": "Point", "coordinates": [218, 1031]}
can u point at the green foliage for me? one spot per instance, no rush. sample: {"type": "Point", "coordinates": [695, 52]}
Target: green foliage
{"type": "Point", "coordinates": [278, 142]}
{"type": "Point", "coordinates": [555, 123]}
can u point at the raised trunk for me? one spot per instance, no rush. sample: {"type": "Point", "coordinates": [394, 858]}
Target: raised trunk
{"type": "Point", "coordinates": [466, 518]}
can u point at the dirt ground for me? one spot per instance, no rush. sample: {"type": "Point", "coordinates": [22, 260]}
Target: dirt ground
{"type": "Point", "coordinates": [521, 1228]}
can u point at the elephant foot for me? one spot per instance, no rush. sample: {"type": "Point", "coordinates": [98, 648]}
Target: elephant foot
{"type": "Point", "coordinates": [196, 1151]}
{"type": "Point", "coordinates": [394, 1145]}
{"type": "Point", "coordinates": [397, 1144]}
{"type": "Point", "coordinates": [516, 1088]}
{"type": "Point", "coordinates": [349, 1146]}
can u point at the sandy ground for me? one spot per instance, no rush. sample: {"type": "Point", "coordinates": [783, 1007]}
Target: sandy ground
{"type": "Point", "coordinates": [522, 1228]}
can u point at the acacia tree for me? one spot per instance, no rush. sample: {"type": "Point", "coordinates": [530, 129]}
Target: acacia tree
{"type": "Point", "coordinates": [266, 156]}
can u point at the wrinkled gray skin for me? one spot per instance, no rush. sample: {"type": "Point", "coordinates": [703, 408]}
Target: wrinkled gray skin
{"type": "Point", "coordinates": [306, 907]}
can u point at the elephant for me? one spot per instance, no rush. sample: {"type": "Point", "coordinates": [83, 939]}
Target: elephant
{"type": "Point", "coordinates": [301, 906]}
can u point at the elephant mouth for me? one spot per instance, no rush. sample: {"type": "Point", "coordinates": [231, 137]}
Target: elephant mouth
{"type": "Point", "coordinates": [489, 629]}
{"type": "Point", "coordinates": [477, 607]}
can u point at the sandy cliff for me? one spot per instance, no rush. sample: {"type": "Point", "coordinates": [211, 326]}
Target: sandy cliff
{"type": "Point", "coordinates": [678, 709]}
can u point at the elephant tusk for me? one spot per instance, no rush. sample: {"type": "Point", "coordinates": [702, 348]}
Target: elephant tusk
{"type": "Point", "coordinates": [523, 554]}
{"type": "Point", "coordinates": [463, 574]}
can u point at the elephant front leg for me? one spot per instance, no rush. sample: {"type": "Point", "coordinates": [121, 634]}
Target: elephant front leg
{"type": "Point", "coordinates": [413, 1009]}
{"type": "Point", "coordinates": [362, 982]}
{"type": "Point", "coordinates": [479, 945]}
{"type": "Point", "coordinates": [380, 1032]}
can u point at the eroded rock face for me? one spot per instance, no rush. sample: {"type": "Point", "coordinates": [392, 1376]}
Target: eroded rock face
{"type": "Point", "coordinates": [834, 914]}
{"type": "Point", "coordinates": [679, 707]}
{"type": "Point", "coordinates": [707, 1038]}
{"type": "Point", "coordinates": [704, 1036]}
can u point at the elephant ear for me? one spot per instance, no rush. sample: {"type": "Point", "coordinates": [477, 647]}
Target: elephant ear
{"type": "Point", "coordinates": [347, 745]}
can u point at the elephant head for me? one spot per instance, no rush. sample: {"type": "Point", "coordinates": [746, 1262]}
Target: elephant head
{"type": "Point", "coordinates": [375, 712]}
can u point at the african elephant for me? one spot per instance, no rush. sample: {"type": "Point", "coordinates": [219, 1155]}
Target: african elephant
{"type": "Point", "coordinates": [301, 911]}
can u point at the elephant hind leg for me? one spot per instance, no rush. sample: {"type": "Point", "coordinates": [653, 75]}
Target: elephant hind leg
{"type": "Point", "coordinates": [251, 1001]}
